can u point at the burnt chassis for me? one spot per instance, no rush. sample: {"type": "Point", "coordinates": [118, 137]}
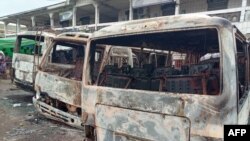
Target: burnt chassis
{"type": "Point", "coordinates": [125, 114]}
{"type": "Point", "coordinates": [48, 95]}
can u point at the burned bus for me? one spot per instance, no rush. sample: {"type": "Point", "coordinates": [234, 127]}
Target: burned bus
{"type": "Point", "coordinates": [59, 79]}
{"type": "Point", "coordinates": [29, 48]}
{"type": "Point", "coordinates": [156, 100]}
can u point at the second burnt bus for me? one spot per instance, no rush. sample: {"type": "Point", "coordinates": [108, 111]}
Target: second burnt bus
{"type": "Point", "coordinates": [59, 77]}
{"type": "Point", "coordinates": [187, 76]}
{"type": "Point", "coordinates": [29, 49]}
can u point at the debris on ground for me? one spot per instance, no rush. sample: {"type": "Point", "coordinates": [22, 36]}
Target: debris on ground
{"type": "Point", "coordinates": [17, 105]}
{"type": "Point", "coordinates": [29, 104]}
{"type": "Point", "coordinates": [5, 98]}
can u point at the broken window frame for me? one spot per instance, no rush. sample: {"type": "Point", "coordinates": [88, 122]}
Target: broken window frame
{"type": "Point", "coordinates": [36, 49]}
{"type": "Point", "coordinates": [47, 59]}
{"type": "Point", "coordinates": [241, 98]}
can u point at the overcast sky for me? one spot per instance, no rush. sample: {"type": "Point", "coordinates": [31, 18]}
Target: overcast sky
{"type": "Point", "coordinates": [8, 7]}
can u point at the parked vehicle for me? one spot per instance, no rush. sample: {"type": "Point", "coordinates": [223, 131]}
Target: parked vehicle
{"type": "Point", "coordinates": [156, 100]}
{"type": "Point", "coordinates": [7, 46]}
{"type": "Point", "coordinates": [126, 84]}
{"type": "Point", "coordinates": [28, 52]}
{"type": "Point", "coordinates": [59, 79]}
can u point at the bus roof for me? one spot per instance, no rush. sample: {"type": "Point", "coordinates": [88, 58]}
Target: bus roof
{"type": "Point", "coordinates": [74, 34]}
{"type": "Point", "coordinates": [186, 21]}
{"type": "Point", "coordinates": [77, 37]}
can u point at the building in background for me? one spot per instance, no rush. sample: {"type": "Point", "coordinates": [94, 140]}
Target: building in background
{"type": "Point", "coordinates": [11, 29]}
{"type": "Point", "coordinates": [90, 15]}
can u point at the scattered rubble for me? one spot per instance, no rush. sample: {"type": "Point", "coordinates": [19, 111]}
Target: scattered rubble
{"type": "Point", "coordinates": [5, 98]}
{"type": "Point", "coordinates": [17, 105]}
{"type": "Point", "coordinates": [29, 104]}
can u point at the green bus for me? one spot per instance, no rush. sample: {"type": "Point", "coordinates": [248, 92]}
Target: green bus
{"type": "Point", "coordinates": [7, 45]}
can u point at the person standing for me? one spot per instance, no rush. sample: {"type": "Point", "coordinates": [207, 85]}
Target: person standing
{"type": "Point", "coordinates": [2, 63]}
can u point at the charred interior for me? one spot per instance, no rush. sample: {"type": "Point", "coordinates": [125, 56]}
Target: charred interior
{"type": "Point", "coordinates": [65, 60]}
{"type": "Point", "coordinates": [242, 62]}
{"type": "Point", "coordinates": [178, 62]}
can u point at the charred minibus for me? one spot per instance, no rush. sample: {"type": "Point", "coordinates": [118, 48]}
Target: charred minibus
{"type": "Point", "coordinates": [190, 76]}
{"type": "Point", "coordinates": [59, 79]}
{"type": "Point", "coordinates": [29, 49]}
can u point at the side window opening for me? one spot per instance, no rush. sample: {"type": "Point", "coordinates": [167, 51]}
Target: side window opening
{"type": "Point", "coordinates": [28, 45]}
{"type": "Point", "coordinates": [176, 62]}
{"type": "Point", "coordinates": [66, 60]}
{"type": "Point", "coordinates": [242, 61]}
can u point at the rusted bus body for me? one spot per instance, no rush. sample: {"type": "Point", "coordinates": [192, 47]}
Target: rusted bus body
{"type": "Point", "coordinates": [132, 113]}
{"type": "Point", "coordinates": [58, 81]}
{"type": "Point", "coordinates": [24, 64]}
{"type": "Point", "coordinates": [58, 95]}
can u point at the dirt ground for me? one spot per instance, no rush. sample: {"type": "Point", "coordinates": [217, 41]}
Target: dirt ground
{"type": "Point", "coordinates": [19, 120]}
